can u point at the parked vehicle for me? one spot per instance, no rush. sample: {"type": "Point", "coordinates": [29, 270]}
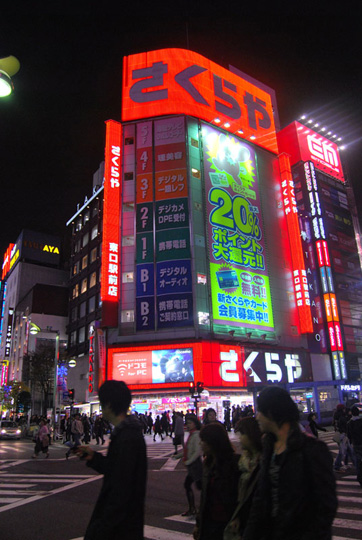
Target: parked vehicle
{"type": "Point", "coordinates": [9, 430]}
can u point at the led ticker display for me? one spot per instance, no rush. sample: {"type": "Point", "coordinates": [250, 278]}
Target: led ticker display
{"type": "Point", "coordinates": [111, 219]}
{"type": "Point", "coordinates": [300, 281]}
{"type": "Point", "coordinates": [6, 262]}
{"type": "Point", "coordinates": [239, 279]}
{"type": "Point", "coordinates": [177, 81]}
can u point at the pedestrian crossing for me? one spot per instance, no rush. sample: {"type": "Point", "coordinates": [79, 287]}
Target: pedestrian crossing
{"type": "Point", "coordinates": [19, 489]}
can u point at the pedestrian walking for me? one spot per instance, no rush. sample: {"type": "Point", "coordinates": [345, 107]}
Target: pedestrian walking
{"type": "Point", "coordinates": [157, 429]}
{"type": "Point", "coordinates": [219, 483]}
{"type": "Point", "coordinates": [99, 428]}
{"type": "Point", "coordinates": [354, 432]}
{"type": "Point", "coordinates": [313, 426]}
{"type": "Point", "coordinates": [178, 429]}
{"type": "Point", "coordinates": [296, 494]}
{"type": "Point", "coordinates": [192, 460]}
{"type": "Point", "coordinates": [77, 431]}
{"type": "Point", "coordinates": [250, 438]}
{"type": "Point", "coordinates": [42, 440]}
{"type": "Point", "coordinates": [119, 510]}
{"type": "Point", "coordinates": [345, 452]}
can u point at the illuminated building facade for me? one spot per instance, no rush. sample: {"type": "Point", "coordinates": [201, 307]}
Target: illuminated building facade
{"type": "Point", "coordinates": [203, 272]}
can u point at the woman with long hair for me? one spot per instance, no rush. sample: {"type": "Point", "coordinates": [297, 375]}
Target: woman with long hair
{"type": "Point", "coordinates": [219, 483]}
{"type": "Point", "coordinates": [192, 460]}
{"type": "Point", "coordinates": [250, 438]}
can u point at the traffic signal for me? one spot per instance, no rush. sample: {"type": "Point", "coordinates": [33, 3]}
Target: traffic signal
{"type": "Point", "coordinates": [199, 387]}
{"type": "Point", "coordinates": [71, 394]}
{"type": "Point", "coordinates": [191, 387]}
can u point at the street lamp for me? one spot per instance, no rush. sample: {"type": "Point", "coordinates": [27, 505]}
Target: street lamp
{"type": "Point", "coordinates": [34, 330]}
{"type": "Point", "coordinates": [9, 66]}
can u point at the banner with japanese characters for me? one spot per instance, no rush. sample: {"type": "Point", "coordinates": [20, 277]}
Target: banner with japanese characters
{"type": "Point", "coordinates": [172, 240]}
{"type": "Point", "coordinates": [238, 270]}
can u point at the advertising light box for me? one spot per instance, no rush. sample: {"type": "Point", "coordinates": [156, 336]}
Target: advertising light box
{"type": "Point", "coordinates": [239, 278]}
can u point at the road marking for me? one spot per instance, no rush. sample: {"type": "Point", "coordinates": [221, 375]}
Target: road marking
{"type": "Point", "coordinates": [349, 524]}
{"type": "Point", "coordinates": [12, 500]}
{"type": "Point", "coordinates": [348, 510]}
{"type": "Point", "coordinates": [183, 519]}
{"type": "Point", "coordinates": [17, 485]}
{"type": "Point", "coordinates": [12, 475]}
{"type": "Point", "coordinates": [21, 502]}
{"type": "Point", "coordinates": [156, 533]}
{"type": "Point", "coordinates": [170, 465]}
{"type": "Point", "coordinates": [350, 499]}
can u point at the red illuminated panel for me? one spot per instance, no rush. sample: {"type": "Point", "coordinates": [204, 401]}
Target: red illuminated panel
{"type": "Point", "coordinates": [215, 364]}
{"type": "Point", "coordinates": [338, 334]}
{"type": "Point", "coordinates": [177, 81]}
{"type": "Point", "coordinates": [111, 217]}
{"type": "Point", "coordinates": [304, 144]}
{"type": "Point", "coordinates": [299, 273]}
{"type": "Point", "coordinates": [6, 263]}
{"type": "Point", "coordinates": [332, 336]}
{"type": "Point", "coordinates": [320, 253]}
{"type": "Point", "coordinates": [326, 253]}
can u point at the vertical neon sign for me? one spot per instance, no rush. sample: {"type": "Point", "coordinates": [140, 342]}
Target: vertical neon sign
{"type": "Point", "coordinates": [299, 273]}
{"type": "Point", "coordinates": [111, 217]}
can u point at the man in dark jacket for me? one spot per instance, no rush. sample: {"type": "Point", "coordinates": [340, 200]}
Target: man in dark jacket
{"type": "Point", "coordinates": [119, 510]}
{"type": "Point", "coordinates": [296, 494]}
{"type": "Point", "coordinates": [354, 432]}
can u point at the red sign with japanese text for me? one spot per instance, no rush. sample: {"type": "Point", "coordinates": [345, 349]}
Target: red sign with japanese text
{"type": "Point", "coordinates": [178, 81]}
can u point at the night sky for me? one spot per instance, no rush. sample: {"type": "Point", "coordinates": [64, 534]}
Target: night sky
{"type": "Point", "coordinates": [52, 128]}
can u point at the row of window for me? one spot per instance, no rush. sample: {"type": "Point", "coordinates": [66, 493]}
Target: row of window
{"type": "Point", "coordinates": [84, 286]}
{"type": "Point", "coordinates": [85, 308]}
{"type": "Point", "coordinates": [83, 263]}
{"type": "Point", "coordinates": [82, 242]}
{"type": "Point", "coordinates": [87, 215]}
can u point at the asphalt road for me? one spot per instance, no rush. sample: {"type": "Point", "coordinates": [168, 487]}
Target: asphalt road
{"type": "Point", "coordinates": [52, 499]}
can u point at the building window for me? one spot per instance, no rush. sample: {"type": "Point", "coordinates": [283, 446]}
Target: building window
{"type": "Point", "coordinates": [85, 240]}
{"type": "Point", "coordinates": [128, 141]}
{"type": "Point", "coordinates": [127, 277]}
{"type": "Point", "coordinates": [86, 217]}
{"type": "Point", "coordinates": [127, 315]}
{"type": "Point", "coordinates": [92, 279]}
{"type": "Point", "coordinates": [128, 241]}
{"type": "Point", "coordinates": [95, 210]}
{"type": "Point", "coordinates": [93, 255]}
{"type": "Point", "coordinates": [77, 247]}
{"type": "Point", "coordinates": [91, 304]}
{"type": "Point", "coordinates": [73, 338]}
{"type": "Point", "coordinates": [94, 232]}
{"type": "Point", "coordinates": [128, 176]}
{"type": "Point", "coordinates": [82, 309]}
{"type": "Point", "coordinates": [75, 291]}
{"type": "Point", "coordinates": [73, 314]}
{"type": "Point", "coordinates": [78, 225]}
{"type": "Point", "coordinates": [128, 207]}
{"type": "Point", "coordinates": [76, 268]}
{"type": "Point", "coordinates": [84, 262]}
{"type": "Point", "coordinates": [81, 335]}
{"type": "Point", "coordinates": [84, 286]}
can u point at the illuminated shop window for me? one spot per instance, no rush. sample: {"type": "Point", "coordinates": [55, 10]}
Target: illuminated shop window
{"type": "Point", "coordinates": [94, 232]}
{"type": "Point", "coordinates": [81, 335]}
{"type": "Point", "coordinates": [84, 286]}
{"type": "Point", "coordinates": [82, 309]}
{"type": "Point", "coordinates": [128, 241]}
{"type": "Point", "coordinates": [92, 279]}
{"type": "Point", "coordinates": [91, 304]}
{"type": "Point", "coordinates": [127, 277]}
{"type": "Point", "coordinates": [93, 255]}
{"type": "Point", "coordinates": [78, 225]}
{"type": "Point", "coordinates": [204, 318]}
{"type": "Point", "coordinates": [84, 262]}
{"type": "Point", "coordinates": [73, 336]}
{"type": "Point", "coordinates": [85, 240]}
{"type": "Point", "coordinates": [86, 217]}
{"type": "Point", "coordinates": [76, 268]}
{"type": "Point", "coordinates": [127, 315]}
{"type": "Point", "coordinates": [75, 291]}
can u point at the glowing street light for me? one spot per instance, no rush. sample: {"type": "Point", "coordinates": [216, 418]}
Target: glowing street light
{"type": "Point", "coordinates": [9, 66]}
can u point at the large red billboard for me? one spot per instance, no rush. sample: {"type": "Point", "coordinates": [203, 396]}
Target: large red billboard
{"type": "Point", "coordinates": [111, 220]}
{"type": "Point", "coordinates": [177, 81]}
{"type": "Point", "coordinates": [304, 144]}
